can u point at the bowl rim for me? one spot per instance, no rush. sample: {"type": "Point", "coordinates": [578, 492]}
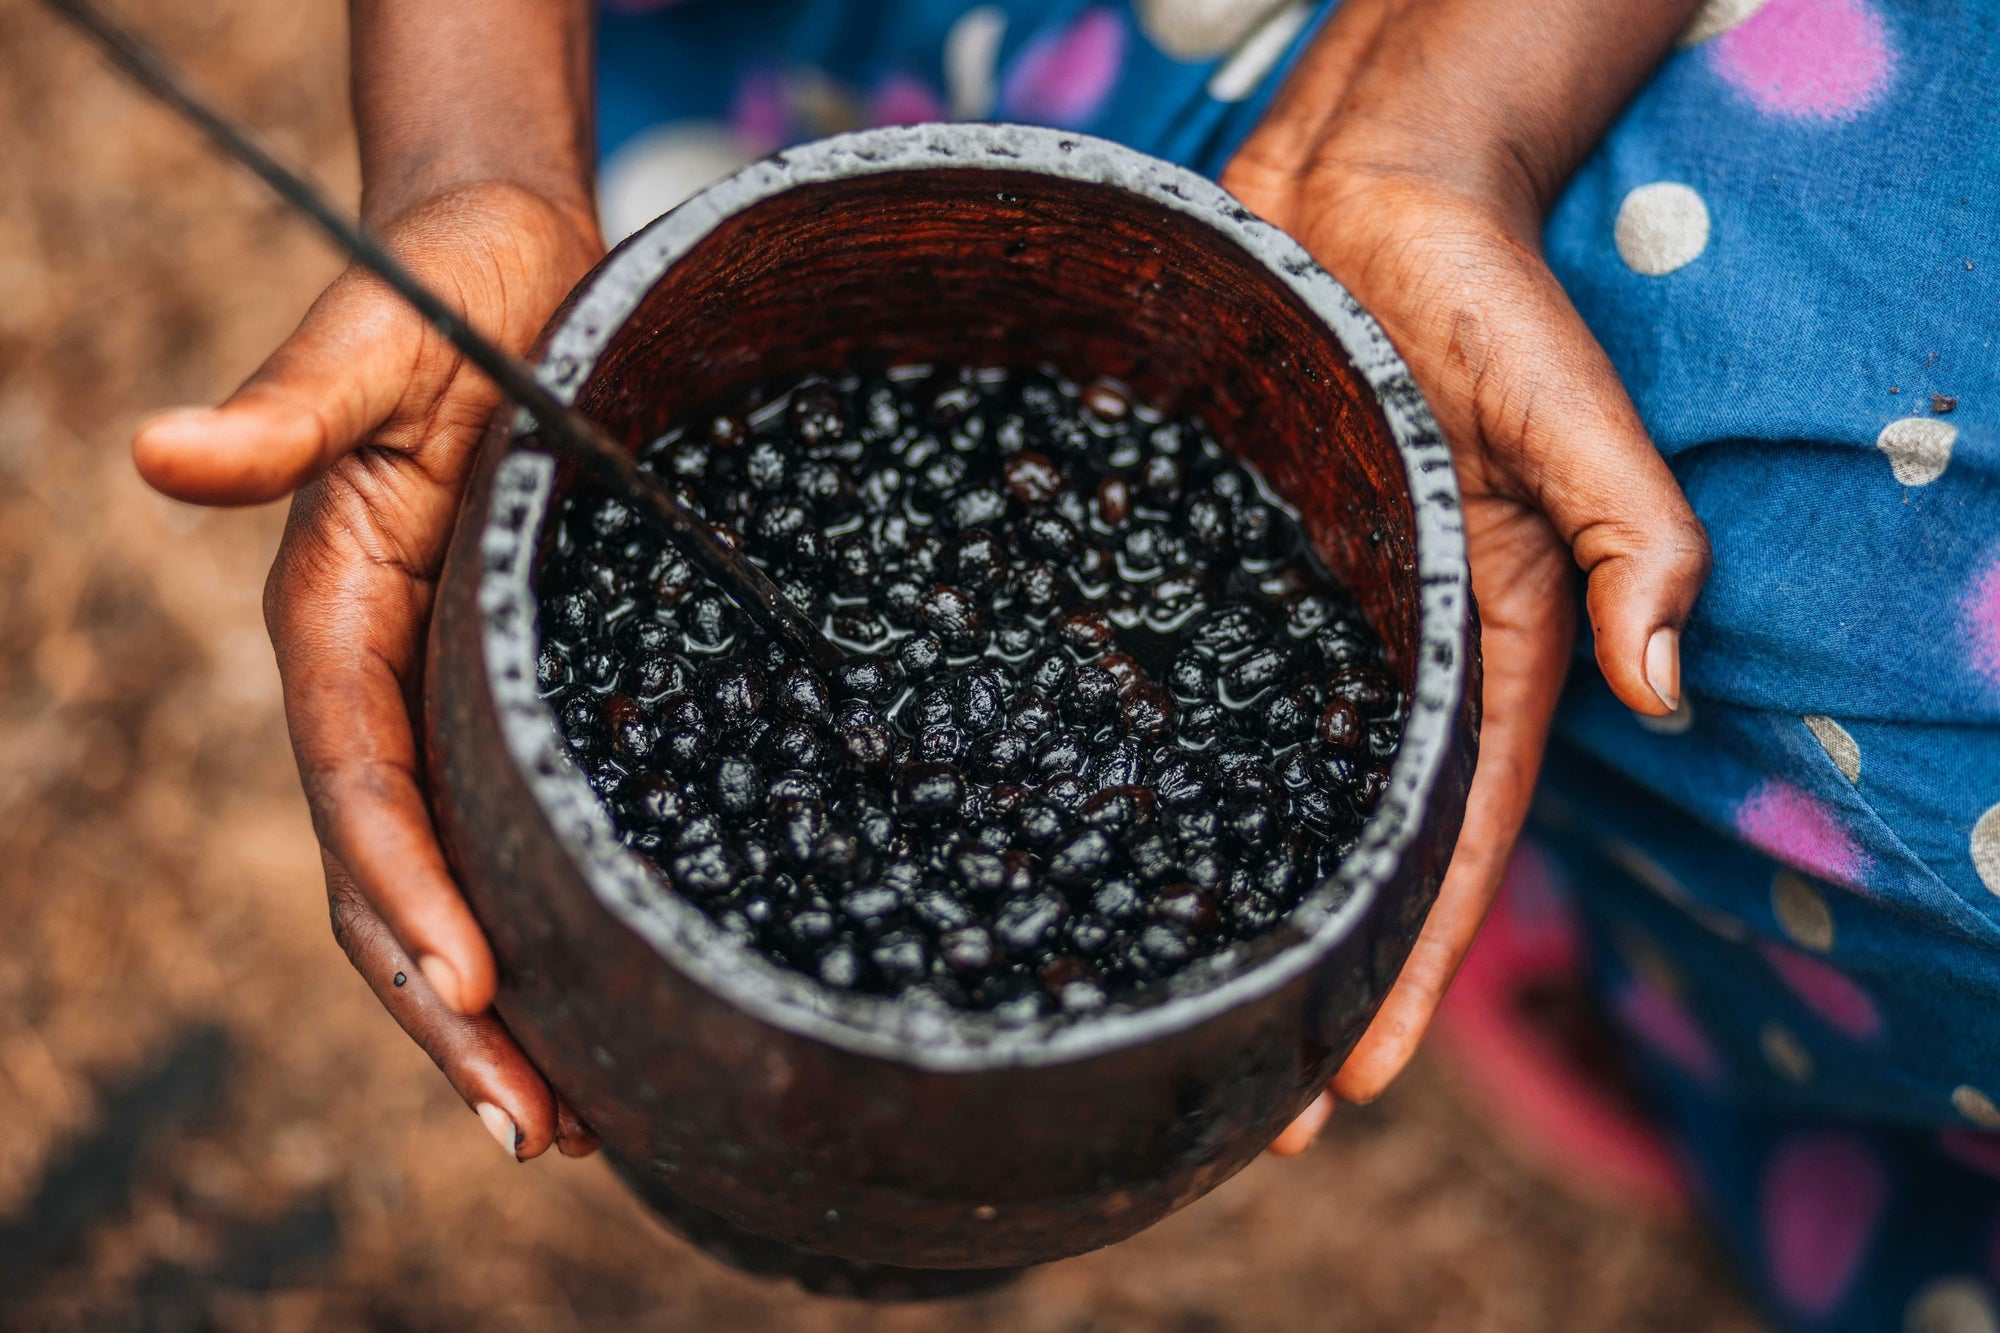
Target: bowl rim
{"type": "Point", "coordinates": [929, 1038]}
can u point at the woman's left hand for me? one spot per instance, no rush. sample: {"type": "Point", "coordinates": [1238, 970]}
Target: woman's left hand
{"type": "Point", "coordinates": [1420, 181]}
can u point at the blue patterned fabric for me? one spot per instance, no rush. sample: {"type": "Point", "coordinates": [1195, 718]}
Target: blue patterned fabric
{"type": "Point", "coordinates": [1788, 247]}
{"type": "Point", "coordinates": [782, 71]}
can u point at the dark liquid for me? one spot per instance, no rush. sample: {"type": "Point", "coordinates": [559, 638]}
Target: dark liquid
{"type": "Point", "coordinates": [1105, 715]}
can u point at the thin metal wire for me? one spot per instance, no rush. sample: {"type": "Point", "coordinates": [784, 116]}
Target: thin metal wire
{"type": "Point", "coordinates": [557, 424]}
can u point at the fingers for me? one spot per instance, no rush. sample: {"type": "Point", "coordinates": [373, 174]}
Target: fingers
{"type": "Point", "coordinates": [1581, 453]}
{"type": "Point", "coordinates": [346, 623]}
{"type": "Point", "coordinates": [478, 1056]}
{"type": "Point", "coordinates": [1304, 1131]}
{"type": "Point", "coordinates": [321, 394]}
{"type": "Point", "coordinates": [1521, 576]}
{"type": "Point", "coordinates": [573, 1137]}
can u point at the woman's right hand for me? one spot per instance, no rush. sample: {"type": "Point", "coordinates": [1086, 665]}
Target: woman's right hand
{"type": "Point", "coordinates": [371, 420]}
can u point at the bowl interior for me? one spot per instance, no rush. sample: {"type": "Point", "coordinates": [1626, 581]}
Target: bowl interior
{"type": "Point", "coordinates": [998, 268]}
{"type": "Point", "coordinates": [1008, 246]}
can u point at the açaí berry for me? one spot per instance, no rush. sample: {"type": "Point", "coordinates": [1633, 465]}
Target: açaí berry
{"type": "Point", "coordinates": [1104, 714]}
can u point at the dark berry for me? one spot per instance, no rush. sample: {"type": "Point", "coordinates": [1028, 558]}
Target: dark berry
{"type": "Point", "coordinates": [1256, 530]}
{"type": "Point", "coordinates": [1049, 671]}
{"type": "Point", "coordinates": [967, 951]}
{"type": "Point", "coordinates": [1255, 672]}
{"type": "Point", "coordinates": [870, 678]}
{"type": "Point", "coordinates": [1025, 925]}
{"type": "Point", "coordinates": [1147, 714]}
{"type": "Point", "coordinates": [978, 701]}
{"type": "Point", "coordinates": [920, 656]}
{"type": "Point", "coordinates": [1032, 479]}
{"type": "Point", "coordinates": [1161, 480]}
{"type": "Point", "coordinates": [1114, 502]}
{"type": "Point", "coordinates": [1041, 824]}
{"type": "Point", "coordinates": [942, 744]}
{"type": "Point", "coordinates": [800, 693]}
{"type": "Point", "coordinates": [865, 746]}
{"type": "Point", "coordinates": [1192, 676]}
{"type": "Point", "coordinates": [551, 669]}
{"type": "Point", "coordinates": [1092, 696]}
{"type": "Point", "coordinates": [1340, 726]}
{"type": "Point", "coordinates": [1080, 858]}
{"type": "Point", "coordinates": [1288, 717]}
{"type": "Point", "coordinates": [1367, 688]}
{"type": "Point", "coordinates": [1052, 536]}
{"type": "Point", "coordinates": [1118, 719]}
{"type": "Point", "coordinates": [1031, 715]}
{"type": "Point", "coordinates": [1060, 751]}
{"type": "Point", "coordinates": [737, 694]}
{"type": "Point", "coordinates": [737, 787]}
{"type": "Point", "coordinates": [794, 745]}
{"type": "Point", "coordinates": [978, 561]}
{"type": "Point", "coordinates": [1188, 907]}
{"type": "Point", "coordinates": [1039, 585]}
{"type": "Point", "coordinates": [927, 793]}
{"type": "Point", "coordinates": [999, 756]}
{"type": "Point", "coordinates": [1227, 631]}
{"type": "Point", "coordinates": [1254, 822]}
{"type": "Point", "coordinates": [818, 417]}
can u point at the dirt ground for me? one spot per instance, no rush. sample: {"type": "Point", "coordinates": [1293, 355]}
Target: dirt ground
{"type": "Point", "coordinates": [209, 1122]}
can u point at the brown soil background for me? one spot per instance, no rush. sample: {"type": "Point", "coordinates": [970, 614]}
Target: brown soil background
{"type": "Point", "coordinates": [209, 1122]}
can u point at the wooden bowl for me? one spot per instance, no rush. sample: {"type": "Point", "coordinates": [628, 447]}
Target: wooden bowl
{"type": "Point", "coordinates": [749, 1101]}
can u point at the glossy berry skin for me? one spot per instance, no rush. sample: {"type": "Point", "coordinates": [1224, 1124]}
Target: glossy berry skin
{"type": "Point", "coordinates": [1103, 715]}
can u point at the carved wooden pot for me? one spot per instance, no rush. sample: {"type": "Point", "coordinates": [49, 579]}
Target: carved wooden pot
{"type": "Point", "coordinates": [749, 1103]}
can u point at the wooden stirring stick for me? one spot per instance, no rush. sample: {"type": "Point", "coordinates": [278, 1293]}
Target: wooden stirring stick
{"type": "Point", "coordinates": [572, 434]}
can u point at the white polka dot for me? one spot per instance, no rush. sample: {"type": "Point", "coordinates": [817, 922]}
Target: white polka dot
{"type": "Point", "coordinates": [1802, 914]}
{"type": "Point", "coordinates": [1957, 1304]}
{"type": "Point", "coordinates": [660, 169]}
{"type": "Point", "coordinates": [1784, 1054]}
{"type": "Point", "coordinates": [1661, 881]}
{"type": "Point", "coordinates": [1661, 227]}
{"type": "Point", "coordinates": [971, 54]}
{"type": "Point", "coordinates": [1975, 1106]}
{"type": "Point", "coordinates": [1245, 71]}
{"type": "Point", "coordinates": [1717, 17]}
{"type": "Point", "coordinates": [1839, 746]}
{"type": "Point", "coordinates": [1919, 448]}
{"type": "Point", "coordinates": [1645, 959]}
{"type": "Point", "coordinates": [1676, 723]}
{"type": "Point", "coordinates": [1202, 29]}
{"type": "Point", "coordinates": [1986, 848]}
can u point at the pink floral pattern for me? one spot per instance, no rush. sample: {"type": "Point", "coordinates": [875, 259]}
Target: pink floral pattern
{"type": "Point", "coordinates": [1807, 59]}
{"type": "Point", "coordinates": [1801, 831]}
{"type": "Point", "coordinates": [1064, 78]}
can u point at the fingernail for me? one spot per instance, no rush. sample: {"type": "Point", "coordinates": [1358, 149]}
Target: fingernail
{"type": "Point", "coordinates": [501, 1127]}
{"type": "Point", "coordinates": [1663, 666]}
{"type": "Point", "coordinates": [1316, 1117]}
{"type": "Point", "coordinates": [444, 980]}
{"type": "Point", "coordinates": [179, 421]}
{"type": "Point", "coordinates": [1304, 1131]}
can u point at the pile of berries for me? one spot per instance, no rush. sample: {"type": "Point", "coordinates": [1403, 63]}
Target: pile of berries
{"type": "Point", "coordinates": [1104, 713]}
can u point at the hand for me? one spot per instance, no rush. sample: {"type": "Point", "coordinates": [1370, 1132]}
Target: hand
{"type": "Point", "coordinates": [374, 420]}
{"type": "Point", "coordinates": [1421, 182]}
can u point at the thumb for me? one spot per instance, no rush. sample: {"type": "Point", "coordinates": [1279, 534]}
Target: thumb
{"type": "Point", "coordinates": [1584, 458]}
{"type": "Point", "coordinates": [323, 393]}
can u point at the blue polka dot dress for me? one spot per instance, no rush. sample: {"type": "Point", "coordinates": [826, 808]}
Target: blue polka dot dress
{"type": "Point", "coordinates": [1790, 247]}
